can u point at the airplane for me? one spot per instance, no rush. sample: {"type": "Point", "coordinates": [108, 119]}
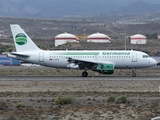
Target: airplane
{"type": "Point", "coordinates": [102, 61]}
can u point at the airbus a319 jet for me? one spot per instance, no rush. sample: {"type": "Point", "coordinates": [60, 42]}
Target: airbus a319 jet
{"type": "Point", "coordinates": [102, 61]}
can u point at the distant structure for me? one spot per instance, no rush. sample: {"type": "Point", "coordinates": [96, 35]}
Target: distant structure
{"type": "Point", "coordinates": [1, 33]}
{"type": "Point", "coordinates": [138, 39]}
{"type": "Point", "coordinates": [5, 61]}
{"type": "Point", "coordinates": [98, 38]}
{"type": "Point", "coordinates": [65, 38]}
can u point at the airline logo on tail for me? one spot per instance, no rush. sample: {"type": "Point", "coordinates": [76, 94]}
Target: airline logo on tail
{"type": "Point", "coordinates": [21, 39]}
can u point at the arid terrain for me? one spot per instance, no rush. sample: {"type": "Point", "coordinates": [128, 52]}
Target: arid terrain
{"type": "Point", "coordinates": [43, 33]}
{"type": "Point", "coordinates": [34, 99]}
{"type": "Point", "coordinates": [37, 100]}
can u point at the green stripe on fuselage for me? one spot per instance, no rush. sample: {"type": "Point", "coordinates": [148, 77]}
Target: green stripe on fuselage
{"type": "Point", "coordinates": [74, 53]}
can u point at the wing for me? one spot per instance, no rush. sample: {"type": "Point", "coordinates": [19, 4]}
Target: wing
{"type": "Point", "coordinates": [88, 64]}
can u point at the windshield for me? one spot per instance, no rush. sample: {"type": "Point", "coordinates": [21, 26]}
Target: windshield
{"type": "Point", "coordinates": [145, 56]}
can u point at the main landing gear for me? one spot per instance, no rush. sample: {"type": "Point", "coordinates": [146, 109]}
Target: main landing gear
{"type": "Point", "coordinates": [84, 74]}
{"type": "Point", "coordinates": [133, 73]}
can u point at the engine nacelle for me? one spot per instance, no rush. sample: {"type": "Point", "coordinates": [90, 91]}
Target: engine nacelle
{"type": "Point", "coordinates": [72, 66]}
{"type": "Point", "coordinates": [104, 68]}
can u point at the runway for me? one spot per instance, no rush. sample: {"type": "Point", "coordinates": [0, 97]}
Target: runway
{"type": "Point", "coordinates": [78, 78]}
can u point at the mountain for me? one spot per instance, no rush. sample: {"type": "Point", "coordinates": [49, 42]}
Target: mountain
{"type": "Point", "coordinates": [61, 8]}
{"type": "Point", "coordinates": [139, 7]}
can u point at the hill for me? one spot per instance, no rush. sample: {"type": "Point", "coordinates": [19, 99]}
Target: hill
{"type": "Point", "coordinates": [56, 8]}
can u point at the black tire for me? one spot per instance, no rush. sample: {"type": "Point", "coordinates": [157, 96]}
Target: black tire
{"type": "Point", "coordinates": [134, 75]}
{"type": "Point", "coordinates": [84, 74]}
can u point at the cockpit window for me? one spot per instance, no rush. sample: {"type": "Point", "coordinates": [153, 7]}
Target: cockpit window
{"type": "Point", "coordinates": [145, 56]}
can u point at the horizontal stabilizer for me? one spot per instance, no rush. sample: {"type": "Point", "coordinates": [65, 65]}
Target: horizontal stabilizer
{"type": "Point", "coordinates": [19, 54]}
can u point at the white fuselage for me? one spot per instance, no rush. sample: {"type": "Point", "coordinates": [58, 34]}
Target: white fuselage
{"type": "Point", "coordinates": [59, 59]}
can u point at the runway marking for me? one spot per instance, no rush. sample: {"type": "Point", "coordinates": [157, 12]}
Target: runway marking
{"type": "Point", "coordinates": [78, 78]}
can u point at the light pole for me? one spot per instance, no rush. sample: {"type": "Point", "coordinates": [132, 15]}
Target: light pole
{"type": "Point", "coordinates": [125, 38]}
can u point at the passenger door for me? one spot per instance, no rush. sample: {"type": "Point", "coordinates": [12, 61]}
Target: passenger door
{"type": "Point", "coordinates": [134, 57]}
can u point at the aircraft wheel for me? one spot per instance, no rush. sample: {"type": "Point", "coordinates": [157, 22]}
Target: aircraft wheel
{"type": "Point", "coordinates": [84, 74]}
{"type": "Point", "coordinates": [134, 75]}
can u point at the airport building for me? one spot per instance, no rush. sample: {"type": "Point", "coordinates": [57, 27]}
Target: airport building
{"type": "Point", "coordinates": [65, 38]}
{"type": "Point", "coordinates": [6, 61]}
{"type": "Point", "coordinates": [138, 39]}
{"type": "Point", "coordinates": [98, 38]}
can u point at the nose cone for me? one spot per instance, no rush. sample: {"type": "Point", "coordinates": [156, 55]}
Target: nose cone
{"type": "Point", "coordinates": [154, 62]}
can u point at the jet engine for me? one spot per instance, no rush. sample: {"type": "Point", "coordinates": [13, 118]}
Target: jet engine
{"type": "Point", "coordinates": [104, 68]}
{"type": "Point", "coordinates": [73, 66]}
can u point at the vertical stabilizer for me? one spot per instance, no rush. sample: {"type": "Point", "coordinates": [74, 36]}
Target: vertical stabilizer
{"type": "Point", "coordinates": [21, 40]}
